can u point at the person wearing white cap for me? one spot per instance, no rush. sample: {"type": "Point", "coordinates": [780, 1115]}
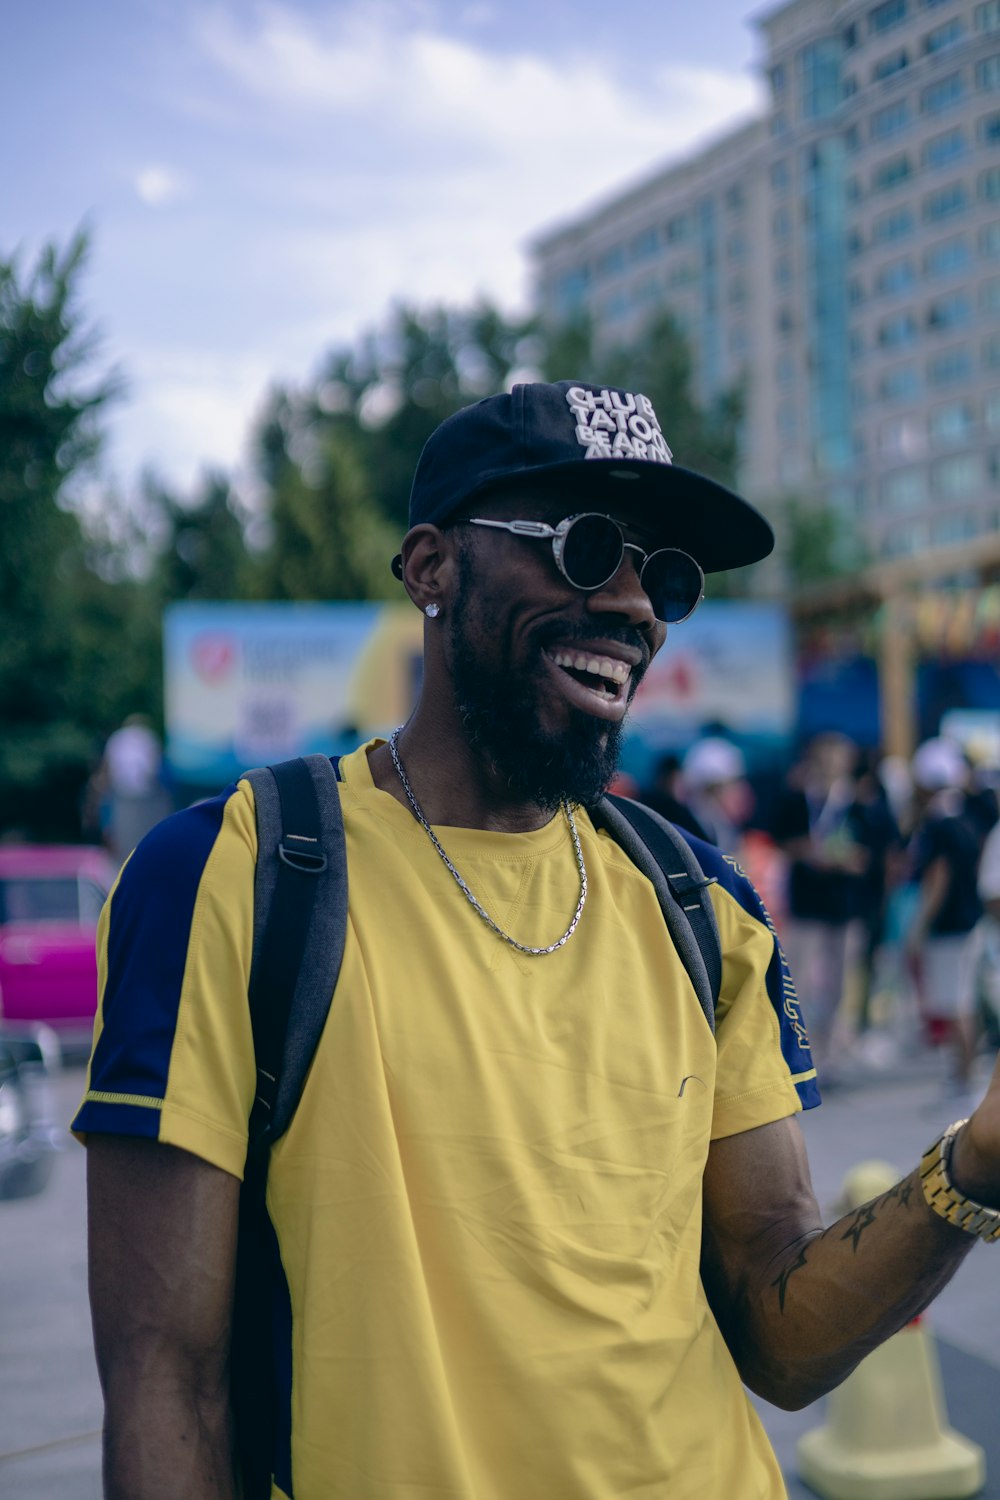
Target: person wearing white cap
{"type": "Point", "coordinates": [939, 946]}
{"type": "Point", "coordinates": [718, 792]}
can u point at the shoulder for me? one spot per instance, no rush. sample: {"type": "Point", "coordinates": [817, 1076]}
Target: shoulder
{"type": "Point", "coordinates": [162, 879]}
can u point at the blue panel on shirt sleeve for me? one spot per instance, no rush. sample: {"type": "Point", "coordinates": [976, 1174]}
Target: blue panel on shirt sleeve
{"type": "Point", "coordinates": [151, 914]}
{"type": "Point", "coordinates": [780, 985]}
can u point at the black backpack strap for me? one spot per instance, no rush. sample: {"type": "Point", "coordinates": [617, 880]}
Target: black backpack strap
{"type": "Point", "coordinates": [300, 923]}
{"type": "Point", "coordinates": [667, 859]}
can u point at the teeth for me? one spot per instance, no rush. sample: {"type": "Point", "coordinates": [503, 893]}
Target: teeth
{"type": "Point", "coordinates": [600, 666]}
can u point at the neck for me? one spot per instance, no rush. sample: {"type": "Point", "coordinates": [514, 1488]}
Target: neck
{"type": "Point", "coordinates": [453, 785]}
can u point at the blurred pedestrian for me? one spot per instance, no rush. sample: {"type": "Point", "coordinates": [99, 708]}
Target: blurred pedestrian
{"type": "Point", "coordinates": [945, 851]}
{"type": "Point", "coordinates": [133, 789]}
{"type": "Point", "coordinates": [666, 796]}
{"type": "Point", "coordinates": [815, 824]}
{"type": "Point", "coordinates": [874, 826]}
{"type": "Point", "coordinates": [717, 790]}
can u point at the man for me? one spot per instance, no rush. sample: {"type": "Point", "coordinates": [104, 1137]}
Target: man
{"type": "Point", "coordinates": [535, 1221]}
{"type": "Point", "coordinates": [940, 944]}
{"type": "Point", "coordinates": [816, 825]}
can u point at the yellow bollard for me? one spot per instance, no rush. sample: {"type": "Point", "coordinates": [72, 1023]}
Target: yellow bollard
{"type": "Point", "coordinates": [886, 1436]}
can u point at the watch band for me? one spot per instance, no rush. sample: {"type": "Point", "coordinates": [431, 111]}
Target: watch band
{"type": "Point", "coordinates": [944, 1197]}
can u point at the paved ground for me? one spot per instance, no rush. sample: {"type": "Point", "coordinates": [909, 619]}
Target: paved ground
{"type": "Point", "coordinates": [50, 1407]}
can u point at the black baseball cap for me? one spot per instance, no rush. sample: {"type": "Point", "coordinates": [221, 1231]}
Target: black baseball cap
{"type": "Point", "coordinates": [589, 442]}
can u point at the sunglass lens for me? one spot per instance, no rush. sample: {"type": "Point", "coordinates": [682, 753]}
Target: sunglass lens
{"type": "Point", "coordinates": [592, 550]}
{"type": "Point", "coordinates": [674, 583]}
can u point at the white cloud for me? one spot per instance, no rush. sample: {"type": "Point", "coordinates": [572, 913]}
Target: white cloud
{"type": "Point", "coordinates": [373, 152]}
{"type": "Point", "coordinates": [188, 410]}
{"type": "Point", "coordinates": [157, 185]}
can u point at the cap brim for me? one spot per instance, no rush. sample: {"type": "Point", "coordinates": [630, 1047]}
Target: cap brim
{"type": "Point", "coordinates": [688, 510]}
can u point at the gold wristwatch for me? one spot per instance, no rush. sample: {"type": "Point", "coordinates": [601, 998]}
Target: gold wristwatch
{"type": "Point", "coordinates": [943, 1196]}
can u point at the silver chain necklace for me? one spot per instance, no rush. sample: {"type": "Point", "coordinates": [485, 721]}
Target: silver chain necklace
{"type": "Point", "coordinates": [521, 947]}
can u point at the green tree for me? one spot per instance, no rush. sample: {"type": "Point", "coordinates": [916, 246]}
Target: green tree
{"type": "Point", "coordinates": [51, 403]}
{"type": "Point", "coordinates": [201, 551]}
{"type": "Point", "coordinates": [817, 545]}
{"type": "Point", "coordinates": [328, 539]}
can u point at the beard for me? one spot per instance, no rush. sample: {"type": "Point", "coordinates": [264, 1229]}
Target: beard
{"type": "Point", "coordinates": [499, 712]}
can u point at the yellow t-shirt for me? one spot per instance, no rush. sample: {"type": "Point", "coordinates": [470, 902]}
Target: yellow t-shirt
{"type": "Point", "coordinates": [488, 1203]}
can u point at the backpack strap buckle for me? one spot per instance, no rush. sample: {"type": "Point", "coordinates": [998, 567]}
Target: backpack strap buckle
{"type": "Point", "coordinates": [306, 861]}
{"type": "Point", "coordinates": [684, 884]}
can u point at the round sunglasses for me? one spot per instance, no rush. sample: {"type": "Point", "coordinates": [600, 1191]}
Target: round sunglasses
{"type": "Point", "coordinates": [589, 549]}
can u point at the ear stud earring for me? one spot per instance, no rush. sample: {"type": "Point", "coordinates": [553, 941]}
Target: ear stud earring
{"type": "Point", "coordinates": [432, 610]}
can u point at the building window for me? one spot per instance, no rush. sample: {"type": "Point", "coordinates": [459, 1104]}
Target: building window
{"type": "Point", "coordinates": [947, 529]}
{"type": "Point", "coordinates": [988, 72]}
{"type": "Point", "coordinates": [677, 229]}
{"type": "Point", "coordinates": [991, 352]}
{"type": "Point", "coordinates": [989, 241]}
{"type": "Point", "coordinates": [944, 36]}
{"type": "Point", "coordinates": [785, 368]}
{"type": "Point", "coordinates": [904, 490]}
{"type": "Point", "coordinates": [819, 65]}
{"type": "Point", "coordinates": [901, 437]}
{"type": "Point", "coordinates": [785, 320]}
{"type": "Point", "coordinates": [988, 186]}
{"type": "Point", "coordinates": [898, 332]}
{"type": "Point", "coordinates": [781, 175]}
{"type": "Point", "coordinates": [952, 311]}
{"type": "Point", "coordinates": [949, 366]}
{"type": "Point", "coordinates": [646, 290]}
{"type": "Point", "coordinates": [886, 15]}
{"type": "Point", "coordinates": [782, 271]}
{"type": "Point", "coordinates": [946, 202]}
{"type": "Point", "coordinates": [892, 226]}
{"type": "Point", "coordinates": [889, 120]}
{"type": "Point", "coordinates": [645, 244]}
{"type": "Point", "coordinates": [889, 174]}
{"type": "Point", "coordinates": [611, 263]}
{"type": "Point", "coordinates": [895, 278]}
{"type": "Point", "coordinates": [991, 411]}
{"type": "Point", "coordinates": [987, 17]}
{"type": "Point", "coordinates": [571, 291]}
{"type": "Point", "coordinates": [957, 476]}
{"type": "Point", "coordinates": [901, 383]}
{"type": "Point", "coordinates": [941, 150]}
{"type": "Point", "coordinates": [787, 421]}
{"type": "Point", "coordinates": [779, 78]}
{"type": "Point", "coordinates": [888, 67]}
{"type": "Point", "coordinates": [737, 292]}
{"type": "Point", "coordinates": [736, 245]}
{"type": "Point", "coordinates": [988, 130]}
{"type": "Point", "coordinates": [989, 296]}
{"type": "Point", "coordinates": [782, 223]}
{"type": "Point", "coordinates": [735, 197]}
{"type": "Point", "coordinates": [947, 258]}
{"type": "Point", "coordinates": [952, 423]}
{"type": "Point", "coordinates": [943, 94]}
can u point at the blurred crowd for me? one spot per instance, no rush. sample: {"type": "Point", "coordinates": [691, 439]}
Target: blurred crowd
{"type": "Point", "coordinates": [883, 878]}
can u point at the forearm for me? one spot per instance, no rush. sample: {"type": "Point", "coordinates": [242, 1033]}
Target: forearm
{"type": "Point", "coordinates": [826, 1301]}
{"type": "Point", "coordinates": [164, 1440]}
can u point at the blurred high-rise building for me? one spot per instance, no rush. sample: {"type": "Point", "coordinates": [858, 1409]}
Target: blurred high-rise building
{"type": "Point", "coordinates": [839, 257]}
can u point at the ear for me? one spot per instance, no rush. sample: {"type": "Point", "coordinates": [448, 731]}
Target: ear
{"type": "Point", "coordinates": [429, 565]}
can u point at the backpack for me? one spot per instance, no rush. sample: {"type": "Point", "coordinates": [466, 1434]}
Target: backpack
{"type": "Point", "coordinates": [300, 924]}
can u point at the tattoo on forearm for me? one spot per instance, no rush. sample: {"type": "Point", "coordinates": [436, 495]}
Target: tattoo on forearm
{"type": "Point", "coordinates": [782, 1281]}
{"type": "Point", "coordinates": [862, 1220]}
{"type": "Point", "coordinates": [902, 1192]}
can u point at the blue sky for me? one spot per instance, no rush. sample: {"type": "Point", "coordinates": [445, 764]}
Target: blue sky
{"type": "Point", "coordinates": [263, 180]}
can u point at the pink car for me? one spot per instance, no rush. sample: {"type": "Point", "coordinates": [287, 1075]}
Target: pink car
{"type": "Point", "coordinates": [50, 898]}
